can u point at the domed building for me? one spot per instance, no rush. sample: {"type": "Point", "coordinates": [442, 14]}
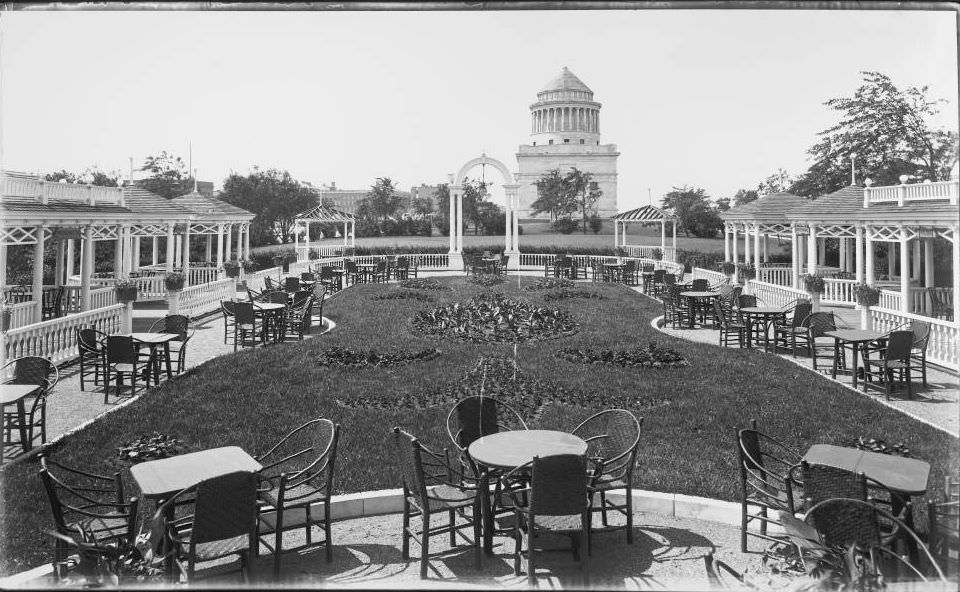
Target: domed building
{"type": "Point", "coordinates": [565, 133]}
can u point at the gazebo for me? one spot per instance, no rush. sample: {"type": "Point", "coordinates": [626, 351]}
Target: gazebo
{"type": "Point", "coordinates": [323, 215]}
{"type": "Point", "coordinates": [645, 215]}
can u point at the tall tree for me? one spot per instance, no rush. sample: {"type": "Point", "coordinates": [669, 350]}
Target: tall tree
{"type": "Point", "coordinates": [275, 197]}
{"type": "Point", "coordinates": [584, 193]}
{"type": "Point", "coordinates": [381, 202]}
{"type": "Point", "coordinates": [889, 131]}
{"type": "Point", "coordinates": [553, 196]}
{"type": "Point", "coordinates": [169, 176]}
{"type": "Point", "coordinates": [474, 195]}
{"type": "Point", "coordinates": [694, 211]}
{"type": "Point", "coordinates": [744, 196]}
{"type": "Point", "coordinates": [775, 183]}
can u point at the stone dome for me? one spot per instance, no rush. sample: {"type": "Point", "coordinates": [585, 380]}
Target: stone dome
{"type": "Point", "coordinates": [565, 80]}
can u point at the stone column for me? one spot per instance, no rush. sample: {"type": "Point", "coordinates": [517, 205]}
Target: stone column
{"type": "Point", "coordinates": [452, 219]}
{"type": "Point", "coordinates": [127, 250]}
{"type": "Point", "coordinates": [756, 249]}
{"type": "Point", "coordinates": [306, 238]}
{"type": "Point", "coordinates": [663, 236]}
{"type": "Point", "coordinates": [812, 250]}
{"type": "Point", "coordinates": [904, 271]}
{"type": "Point", "coordinates": [459, 221]}
{"type": "Point", "coordinates": [38, 273]}
{"type": "Point", "coordinates": [246, 243]}
{"type": "Point", "coordinates": [674, 240]}
{"type": "Point", "coordinates": [891, 260]}
{"type": "Point", "coordinates": [822, 251]}
{"type": "Point", "coordinates": [616, 235]}
{"type": "Point", "coordinates": [86, 267]}
{"type": "Point", "coordinates": [171, 247]}
{"type": "Point", "coordinates": [208, 248]}
{"type": "Point", "coordinates": [118, 253]}
{"type": "Point", "coordinates": [747, 258]}
{"type": "Point", "coordinates": [766, 248]}
{"type": "Point", "coordinates": [135, 264]}
{"type": "Point", "coordinates": [842, 251]}
{"type": "Point", "coordinates": [858, 254]}
{"type": "Point", "coordinates": [736, 245]}
{"type": "Point", "coordinates": [915, 264]}
{"type": "Point", "coordinates": [794, 256]}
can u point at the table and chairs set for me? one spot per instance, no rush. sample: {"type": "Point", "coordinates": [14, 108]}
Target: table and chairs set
{"type": "Point", "coordinates": [348, 272]}
{"type": "Point", "coordinates": [274, 315]}
{"type": "Point", "coordinates": [840, 497]}
{"type": "Point", "coordinates": [485, 263]}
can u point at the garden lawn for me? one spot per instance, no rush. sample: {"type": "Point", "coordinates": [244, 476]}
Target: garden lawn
{"type": "Point", "coordinates": [251, 398]}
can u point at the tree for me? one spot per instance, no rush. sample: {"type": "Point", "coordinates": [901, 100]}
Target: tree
{"type": "Point", "coordinates": [275, 197]}
{"type": "Point", "coordinates": [422, 204]}
{"type": "Point", "coordinates": [442, 219]}
{"type": "Point", "coordinates": [584, 192]}
{"type": "Point", "coordinates": [91, 176]}
{"type": "Point", "coordinates": [381, 202]}
{"type": "Point", "coordinates": [169, 176]}
{"type": "Point", "coordinates": [553, 196]}
{"type": "Point", "coordinates": [693, 210]}
{"type": "Point", "coordinates": [723, 203]}
{"type": "Point", "coordinates": [474, 194]}
{"type": "Point", "coordinates": [887, 128]}
{"type": "Point", "coordinates": [776, 183]}
{"type": "Point", "coordinates": [744, 196]}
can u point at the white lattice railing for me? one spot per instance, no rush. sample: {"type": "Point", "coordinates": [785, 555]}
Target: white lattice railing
{"type": "Point", "coordinates": [102, 297]}
{"type": "Point", "coordinates": [776, 274]}
{"type": "Point", "coordinates": [646, 251]}
{"type": "Point", "coordinates": [774, 295]}
{"type": "Point", "coordinates": [56, 339]}
{"type": "Point", "coordinates": [255, 279]}
{"type": "Point", "coordinates": [198, 300]}
{"type": "Point", "coordinates": [151, 287]}
{"type": "Point", "coordinates": [303, 251]}
{"type": "Point", "coordinates": [38, 189]}
{"type": "Point", "coordinates": [838, 291]}
{"type": "Point", "coordinates": [943, 348]}
{"type": "Point", "coordinates": [948, 190]}
{"type": "Point", "coordinates": [714, 277]}
{"type": "Point", "coordinates": [24, 313]}
{"type": "Point", "coordinates": [889, 300]}
{"type": "Point", "coordinates": [204, 275]}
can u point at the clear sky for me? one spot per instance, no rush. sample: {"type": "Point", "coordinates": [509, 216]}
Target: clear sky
{"type": "Point", "coordinates": [714, 98]}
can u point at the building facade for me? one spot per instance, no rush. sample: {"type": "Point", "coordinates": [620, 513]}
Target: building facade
{"type": "Point", "coordinates": [565, 133]}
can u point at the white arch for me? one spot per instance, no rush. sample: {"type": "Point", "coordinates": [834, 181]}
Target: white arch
{"type": "Point", "coordinates": [483, 159]}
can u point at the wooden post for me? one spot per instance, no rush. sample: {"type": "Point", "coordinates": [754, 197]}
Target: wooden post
{"type": "Point", "coordinates": [904, 271]}
{"type": "Point", "coordinates": [86, 267]}
{"type": "Point", "coordinates": [38, 274]}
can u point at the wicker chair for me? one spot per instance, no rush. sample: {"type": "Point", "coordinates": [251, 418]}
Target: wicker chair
{"type": "Point", "coordinates": [918, 353]}
{"type": "Point", "coordinates": [52, 305]}
{"type": "Point", "coordinates": [613, 439]}
{"type": "Point", "coordinates": [728, 326]}
{"type": "Point", "coordinates": [767, 482]}
{"type": "Point", "coordinates": [378, 274]}
{"type": "Point", "coordinates": [700, 285]}
{"type": "Point", "coordinates": [297, 475]}
{"type": "Point", "coordinates": [92, 347]}
{"type": "Point", "coordinates": [942, 302]}
{"type": "Point", "coordinates": [247, 325]}
{"type": "Point", "coordinates": [180, 325]}
{"type": "Point", "coordinates": [223, 523]}
{"type": "Point", "coordinates": [786, 333]}
{"type": "Point", "coordinates": [126, 358]}
{"type": "Point", "coordinates": [95, 501]}
{"type": "Point", "coordinates": [228, 308]}
{"type": "Point", "coordinates": [298, 318]}
{"type": "Point", "coordinates": [451, 491]}
{"type": "Point", "coordinates": [894, 360]}
{"type": "Point", "coordinates": [675, 307]}
{"type": "Point", "coordinates": [29, 370]}
{"type": "Point", "coordinates": [631, 273]}
{"type": "Point", "coordinates": [319, 294]}
{"type": "Point", "coordinates": [269, 285]}
{"type": "Point", "coordinates": [500, 267]}
{"type": "Point", "coordinates": [351, 273]}
{"type": "Point", "coordinates": [553, 503]}
{"type": "Point", "coordinates": [943, 534]}
{"type": "Point", "coordinates": [330, 279]}
{"type": "Point", "coordinates": [819, 345]}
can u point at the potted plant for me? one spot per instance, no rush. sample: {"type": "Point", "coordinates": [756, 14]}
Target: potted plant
{"type": "Point", "coordinates": [815, 286]}
{"type": "Point", "coordinates": [126, 289]}
{"type": "Point", "coordinates": [249, 265]}
{"type": "Point", "coordinates": [6, 315]}
{"type": "Point", "coordinates": [231, 268]}
{"type": "Point", "coordinates": [313, 254]}
{"type": "Point", "coordinates": [728, 268]}
{"type": "Point", "coordinates": [866, 296]}
{"type": "Point", "coordinates": [174, 281]}
{"type": "Point", "coordinates": [748, 271]}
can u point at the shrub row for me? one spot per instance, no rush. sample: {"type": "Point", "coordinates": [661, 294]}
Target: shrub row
{"type": "Point", "coordinates": [343, 356]}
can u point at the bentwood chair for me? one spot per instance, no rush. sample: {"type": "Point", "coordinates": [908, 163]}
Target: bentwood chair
{"type": "Point", "coordinates": [223, 523]}
{"type": "Point", "coordinates": [553, 503]}
{"type": "Point", "coordinates": [29, 370]}
{"type": "Point", "coordinates": [894, 359]}
{"type": "Point", "coordinates": [52, 303]}
{"type": "Point", "coordinates": [450, 491]}
{"type": "Point", "coordinates": [918, 353]}
{"type": "Point", "coordinates": [228, 309]}
{"type": "Point", "coordinates": [248, 327]}
{"type": "Point", "coordinates": [728, 325]}
{"type": "Point", "coordinates": [126, 359]}
{"type": "Point", "coordinates": [179, 325]}
{"type": "Point", "coordinates": [820, 345]}
{"type": "Point", "coordinates": [97, 502]}
{"type": "Point", "coordinates": [330, 279]}
{"type": "Point", "coordinates": [92, 347]}
{"type": "Point", "coordinates": [296, 478]}
{"type": "Point", "coordinates": [613, 440]}
{"type": "Point", "coordinates": [298, 319]}
{"type": "Point", "coordinates": [943, 534]}
{"type": "Point", "coordinates": [269, 285]}
{"type": "Point", "coordinates": [291, 284]}
{"type": "Point", "coordinates": [768, 486]}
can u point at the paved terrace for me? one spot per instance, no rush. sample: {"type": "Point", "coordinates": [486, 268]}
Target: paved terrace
{"type": "Point", "coordinates": [672, 533]}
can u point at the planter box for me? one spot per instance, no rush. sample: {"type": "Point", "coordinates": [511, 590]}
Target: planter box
{"type": "Point", "coordinates": [127, 294]}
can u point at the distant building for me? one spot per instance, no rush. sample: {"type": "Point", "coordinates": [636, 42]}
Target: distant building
{"type": "Point", "coordinates": [425, 191]}
{"type": "Point", "coordinates": [566, 133]}
{"type": "Point", "coordinates": [348, 200]}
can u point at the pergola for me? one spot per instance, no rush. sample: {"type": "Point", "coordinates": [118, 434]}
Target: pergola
{"type": "Point", "coordinates": [324, 215]}
{"type": "Point", "coordinates": [645, 215]}
{"type": "Point", "coordinates": [906, 219]}
{"type": "Point", "coordinates": [77, 217]}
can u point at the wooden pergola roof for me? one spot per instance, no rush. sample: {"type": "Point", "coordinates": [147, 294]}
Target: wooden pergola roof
{"type": "Point", "coordinates": [772, 207]}
{"type": "Point", "coordinates": [323, 213]}
{"type": "Point", "coordinates": [644, 214]}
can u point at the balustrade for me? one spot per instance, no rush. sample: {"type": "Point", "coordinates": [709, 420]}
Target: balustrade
{"type": "Point", "coordinates": [201, 299]}
{"type": "Point", "coordinates": [774, 273]}
{"type": "Point", "coordinates": [942, 348]}
{"type": "Point", "coordinates": [838, 291]}
{"type": "Point", "coordinates": [56, 339]}
{"type": "Point", "coordinates": [774, 295]}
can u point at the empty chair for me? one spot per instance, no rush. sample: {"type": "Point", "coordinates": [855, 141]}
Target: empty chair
{"type": "Point", "coordinates": [819, 345]}
{"type": "Point", "coordinates": [52, 303]}
{"type": "Point", "coordinates": [32, 424]}
{"type": "Point", "coordinates": [630, 277]}
{"type": "Point", "coordinates": [297, 476]}
{"type": "Point", "coordinates": [223, 522]}
{"type": "Point", "coordinates": [450, 491]}
{"type": "Point", "coordinates": [248, 327]}
{"type": "Point", "coordinates": [379, 272]}
{"type": "Point", "coordinates": [700, 285]}
{"type": "Point", "coordinates": [351, 273]}
{"type": "Point", "coordinates": [728, 325]}
{"type": "Point", "coordinates": [179, 325]}
{"type": "Point", "coordinates": [307, 276]}
{"type": "Point", "coordinates": [319, 293]}
{"type": "Point", "coordinates": [92, 347]}
{"type": "Point", "coordinates": [125, 359]}
{"type": "Point", "coordinates": [943, 534]}
{"type": "Point", "coordinates": [613, 440]}
{"type": "Point", "coordinates": [658, 281]}
{"type": "Point", "coordinates": [98, 502]}
{"type": "Point", "coordinates": [228, 307]}
{"type": "Point", "coordinates": [298, 318]}
{"type": "Point", "coordinates": [474, 417]}
{"type": "Point", "coordinates": [330, 279]}
{"type": "Point", "coordinates": [918, 352]}
{"type": "Point", "coordinates": [767, 483]}
{"type": "Point", "coordinates": [786, 333]}
{"type": "Point", "coordinates": [893, 360]}
{"type": "Point", "coordinates": [269, 284]}
{"type": "Point", "coordinates": [291, 284]}
{"type": "Point", "coordinates": [556, 502]}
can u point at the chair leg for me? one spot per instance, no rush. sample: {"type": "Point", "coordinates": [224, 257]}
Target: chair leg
{"type": "Point", "coordinates": [405, 546]}
{"type": "Point", "coordinates": [743, 527]}
{"type": "Point", "coordinates": [477, 535]}
{"type": "Point", "coordinates": [327, 532]}
{"type": "Point", "coordinates": [531, 569]}
{"type": "Point", "coordinates": [453, 533]}
{"type": "Point", "coordinates": [424, 545]}
{"type": "Point", "coordinates": [629, 517]}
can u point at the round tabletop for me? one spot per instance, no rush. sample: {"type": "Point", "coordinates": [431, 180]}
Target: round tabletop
{"type": "Point", "coordinates": [268, 306]}
{"type": "Point", "coordinates": [855, 335]}
{"type": "Point", "coordinates": [696, 294]}
{"type": "Point", "coordinates": [762, 310]}
{"type": "Point", "coordinates": [506, 450]}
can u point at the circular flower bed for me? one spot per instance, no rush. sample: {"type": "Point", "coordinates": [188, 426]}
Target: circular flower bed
{"type": "Point", "coordinates": [652, 356]}
{"type": "Point", "coordinates": [425, 284]}
{"type": "Point", "coordinates": [342, 356]}
{"type": "Point", "coordinates": [550, 284]}
{"type": "Point", "coordinates": [486, 280]}
{"type": "Point", "coordinates": [403, 295]}
{"type": "Point", "coordinates": [565, 293]}
{"type": "Point", "coordinates": [502, 379]}
{"type": "Point", "coordinates": [151, 447]}
{"type": "Point", "coordinates": [492, 317]}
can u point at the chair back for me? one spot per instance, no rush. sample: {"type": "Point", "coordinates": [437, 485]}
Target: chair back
{"type": "Point", "coordinates": [555, 489]}
{"type": "Point", "coordinates": [800, 313]}
{"type": "Point", "coordinates": [720, 312]}
{"type": "Point", "coordinates": [613, 438]}
{"type": "Point", "coordinates": [89, 340]}
{"type": "Point", "coordinates": [305, 456]}
{"type": "Point", "coordinates": [277, 297]}
{"type": "Point", "coordinates": [504, 260]}
{"type": "Point", "coordinates": [669, 279]}
{"type": "Point", "coordinates": [474, 417]}
{"type": "Point", "coordinates": [319, 292]}
{"type": "Point", "coordinates": [326, 273]}
{"type": "Point", "coordinates": [403, 262]}
{"type": "Point", "coordinates": [899, 344]}
{"type": "Point", "coordinates": [51, 297]}
{"type": "Point", "coordinates": [31, 370]}
{"type": "Point", "coordinates": [822, 482]}
{"type": "Point", "coordinates": [307, 276]}
{"type": "Point", "coordinates": [178, 324]}
{"type": "Point", "coordinates": [746, 301]}
{"type": "Point", "coordinates": [630, 267]}
{"type": "Point", "coordinates": [121, 349]}
{"type": "Point", "coordinates": [845, 521]}
{"type": "Point", "coordinates": [700, 285]}
{"type": "Point", "coordinates": [410, 460]}
{"type": "Point", "coordinates": [226, 507]}
{"type": "Point", "coordinates": [658, 276]}
{"type": "Point", "coordinates": [291, 284]}
{"type": "Point", "coordinates": [301, 295]}
{"type": "Point", "coordinates": [819, 323]}
{"type": "Point", "coordinates": [921, 334]}
{"type": "Point", "coordinates": [943, 534]}
{"type": "Point", "coordinates": [244, 313]}
{"type": "Point", "coordinates": [268, 283]}
{"type": "Point", "coordinates": [228, 307]}
{"type": "Point", "coordinates": [350, 266]}
{"type": "Point", "coordinates": [646, 268]}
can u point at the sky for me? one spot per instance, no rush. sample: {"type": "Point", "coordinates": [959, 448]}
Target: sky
{"type": "Point", "coordinates": [717, 99]}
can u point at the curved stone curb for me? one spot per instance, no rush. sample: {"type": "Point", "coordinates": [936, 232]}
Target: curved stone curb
{"type": "Point", "coordinates": [390, 501]}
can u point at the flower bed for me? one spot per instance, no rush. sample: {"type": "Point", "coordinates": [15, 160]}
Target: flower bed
{"type": "Point", "coordinates": [403, 295]}
{"type": "Point", "coordinates": [486, 280]}
{"type": "Point", "coordinates": [151, 447]}
{"type": "Point", "coordinates": [652, 356]}
{"type": "Point", "coordinates": [342, 356]}
{"type": "Point", "coordinates": [425, 284]}
{"type": "Point", "coordinates": [550, 284]}
{"type": "Point", "coordinates": [566, 293]}
{"type": "Point", "coordinates": [492, 317]}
